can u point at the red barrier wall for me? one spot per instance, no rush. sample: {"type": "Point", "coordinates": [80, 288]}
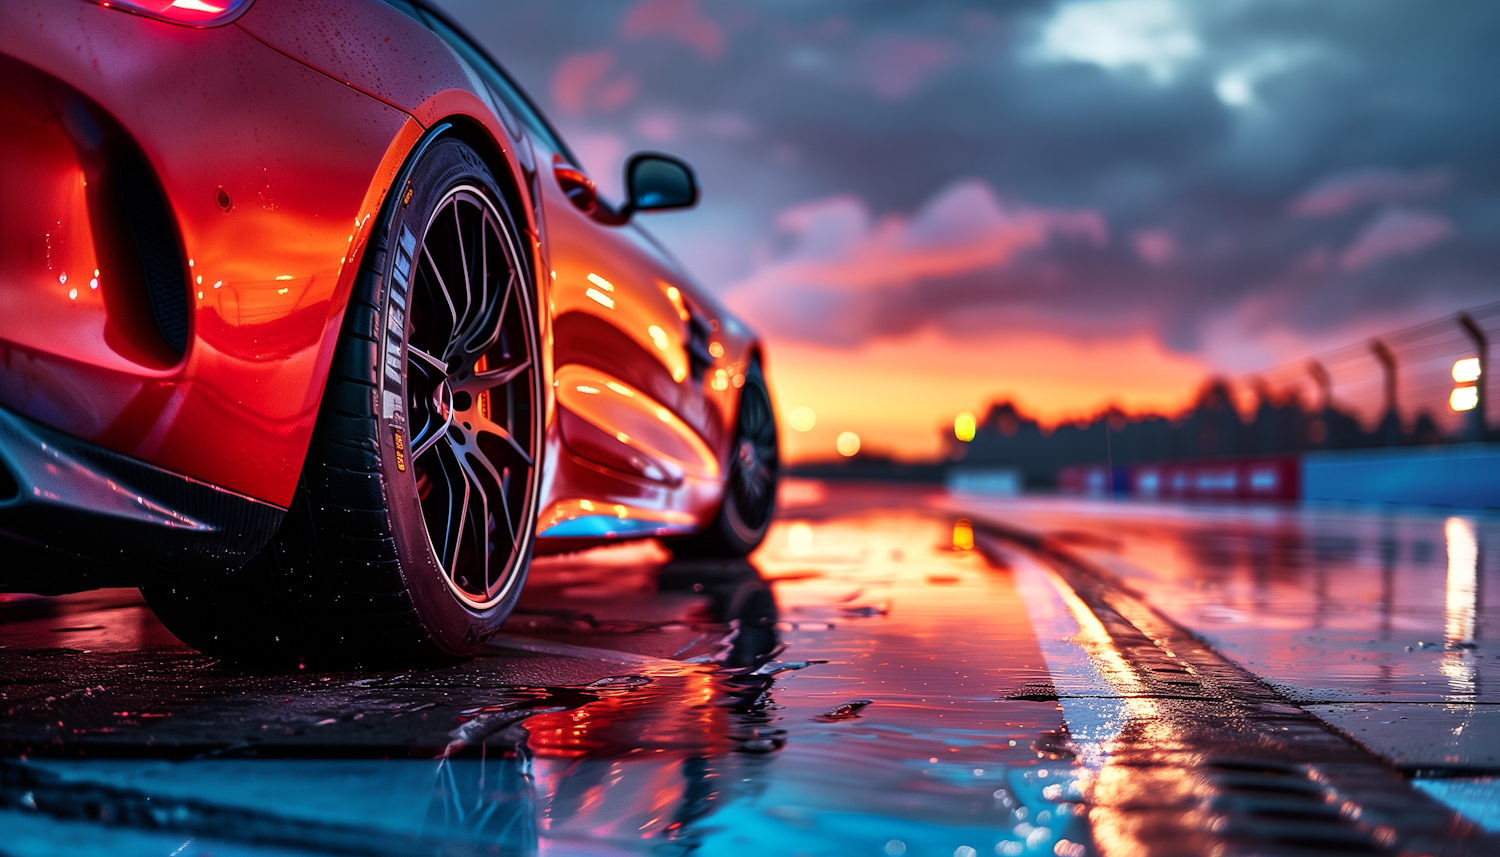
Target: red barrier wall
{"type": "Point", "coordinates": [1264, 478]}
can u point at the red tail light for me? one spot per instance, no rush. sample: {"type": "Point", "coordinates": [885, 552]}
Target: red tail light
{"type": "Point", "coordinates": [190, 13]}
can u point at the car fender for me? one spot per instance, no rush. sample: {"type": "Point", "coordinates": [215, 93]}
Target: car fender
{"type": "Point", "coordinates": [305, 163]}
{"type": "Point", "coordinates": [384, 53]}
{"type": "Point", "coordinates": [300, 160]}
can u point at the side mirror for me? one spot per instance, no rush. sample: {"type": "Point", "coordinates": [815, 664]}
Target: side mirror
{"type": "Point", "coordinates": [658, 182]}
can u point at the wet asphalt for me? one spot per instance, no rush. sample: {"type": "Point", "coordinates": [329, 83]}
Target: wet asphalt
{"type": "Point", "coordinates": [896, 672]}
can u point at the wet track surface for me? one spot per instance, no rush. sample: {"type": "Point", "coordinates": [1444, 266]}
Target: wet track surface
{"type": "Point", "coordinates": [881, 678]}
{"type": "Point", "coordinates": [1379, 621]}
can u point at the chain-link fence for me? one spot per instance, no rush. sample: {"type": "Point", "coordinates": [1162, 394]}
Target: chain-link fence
{"type": "Point", "coordinates": [1422, 385]}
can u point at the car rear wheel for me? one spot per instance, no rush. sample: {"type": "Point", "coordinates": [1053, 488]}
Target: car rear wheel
{"type": "Point", "coordinates": [750, 486]}
{"type": "Point", "coordinates": [414, 520]}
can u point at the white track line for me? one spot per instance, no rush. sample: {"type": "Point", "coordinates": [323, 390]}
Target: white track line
{"type": "Point", "coordinates": [1093, 708]}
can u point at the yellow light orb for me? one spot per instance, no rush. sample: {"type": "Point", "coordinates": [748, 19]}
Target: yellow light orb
{"type": "Point", "coordinates": [847, 443]}
{"type": "Point", "coordinates": [802, 419]}
{"type": "Point", "coordinates": [1464, 399]}
{"type": "Point", "coordinates": [1466, 370]}
{"type": "Point", "coordinates": [964, 426]}
{"type": "Point", "coordinates": [963, 535]}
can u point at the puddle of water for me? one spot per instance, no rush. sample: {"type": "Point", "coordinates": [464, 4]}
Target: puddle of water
{"type": "Point", "coordinates": [1476, 797]}
{"type": "Point", "coordinates": [878, 729]}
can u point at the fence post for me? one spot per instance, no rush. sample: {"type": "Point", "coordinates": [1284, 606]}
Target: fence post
{"type": "Point", "coordinates": [1325, 384]}
{"type": "Point", "coordinates": [1482, 346]}
{"type": "Point", "coordinates": [1390, 424]}
{"type": "Point", "coordinates": [1325, 403]}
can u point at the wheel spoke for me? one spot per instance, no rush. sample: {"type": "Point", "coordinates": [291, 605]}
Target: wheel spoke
{"type": "Point", "coordinates": [456, 504]}
{"type": "Point", "coordinates": [424, 439]}
{"type": "Point", "coordinates": [428, 359]}
{"type": "Point", "coordinates": [478, 289]}
{"type": "Point", "coordinates": [485, 226]}
{"type": "Point", "coordinates": [458, 528]}
{"type": "Point", "coordinates": [766, 450]}
{"type": "Point", "coordinates": [443, 290]}
{"type": "Point", "coordinates": [499, 324]}
{"type": "Point", "coordinates": [463, 266]}
{"type": "Point", "coordinates": [425, 375]}
{"type": "Point", "coordinates": [494, 428]}
{"type": "Point", "coordinates": [505, 507]}
{"type": "Point", "coordinates": [520, 453]}
{"type": "Point", "coordinates": [753, 492]}
{"type": "Point", "coordinates": [755, 480]}
{"type": "Point", "coordinates": [480, 522]}
{"type": "Point", "coordinates": [500, 481]}
{"type": "Point", "coordinates": [489, 379]}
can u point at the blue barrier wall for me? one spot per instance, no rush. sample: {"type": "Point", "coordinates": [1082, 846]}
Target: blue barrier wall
{"type": "Point", "coordinates": [1463, 476]}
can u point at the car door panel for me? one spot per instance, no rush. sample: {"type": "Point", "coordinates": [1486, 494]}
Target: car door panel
{"type": "Point", "coordinates": [614, 310]}
{"type": "Point", "coordinates": [660, 437]}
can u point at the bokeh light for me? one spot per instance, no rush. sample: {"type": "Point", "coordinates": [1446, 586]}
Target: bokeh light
{"type": "Point", "coordinates": [963, 535]}
{"type": "Point", "coordinates": [963, 427]}
{"type": "Point", "coordinates": [1466, 370]}
{"type": "Point", "coordinates": [1464, 399]}
{"type": "Point", "coordinates": [847, 444]}
{"type": "Point", "coordinates": [802, 419]}
{"type": "Point", "coordinates": [799, 539]}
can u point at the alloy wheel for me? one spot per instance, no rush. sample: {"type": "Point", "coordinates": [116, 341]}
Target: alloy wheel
{"type": "Point", "coordinates": [473, 397]}
{"type": "Point", "coordinates": [753, 466]}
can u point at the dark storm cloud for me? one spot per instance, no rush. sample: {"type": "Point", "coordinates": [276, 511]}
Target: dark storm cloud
{"type": "Point", "coordinates": [1282, 165]}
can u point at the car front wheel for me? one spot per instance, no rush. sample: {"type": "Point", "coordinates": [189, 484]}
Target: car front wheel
{"type": "Point", "coordinates": [414, 520]}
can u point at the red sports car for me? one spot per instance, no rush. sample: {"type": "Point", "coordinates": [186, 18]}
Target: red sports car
{"type": "Point", "coordinates": [312, 327]}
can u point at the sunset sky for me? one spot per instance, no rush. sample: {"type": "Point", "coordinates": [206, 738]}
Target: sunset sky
{"type": "Point", "coordinates": [928, 206]}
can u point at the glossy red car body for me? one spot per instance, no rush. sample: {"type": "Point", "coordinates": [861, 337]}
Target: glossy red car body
{"type": "Point", "coordinates": [275, 139]}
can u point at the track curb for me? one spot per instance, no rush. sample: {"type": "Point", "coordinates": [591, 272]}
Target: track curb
{"type": "Point", "coordinates": [1223, 763]}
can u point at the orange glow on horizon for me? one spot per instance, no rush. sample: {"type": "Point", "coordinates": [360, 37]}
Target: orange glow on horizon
{"type": "Point", "coordinates": [900, 396]}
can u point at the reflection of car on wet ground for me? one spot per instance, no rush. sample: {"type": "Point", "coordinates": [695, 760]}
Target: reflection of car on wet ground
{"type": "Point", "coordinates": [316, 331]}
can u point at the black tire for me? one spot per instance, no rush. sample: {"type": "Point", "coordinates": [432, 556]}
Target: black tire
{"type": "Point", "coordinates": [414, 520]}
{"type": "Point", "coordinates": [750, 487]}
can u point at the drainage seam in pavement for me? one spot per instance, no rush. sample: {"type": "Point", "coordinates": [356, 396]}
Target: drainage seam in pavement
{"type": "Point", "coordinates": [570, 650]}
{"type": "Point", "coordinates": [1185, 785]}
